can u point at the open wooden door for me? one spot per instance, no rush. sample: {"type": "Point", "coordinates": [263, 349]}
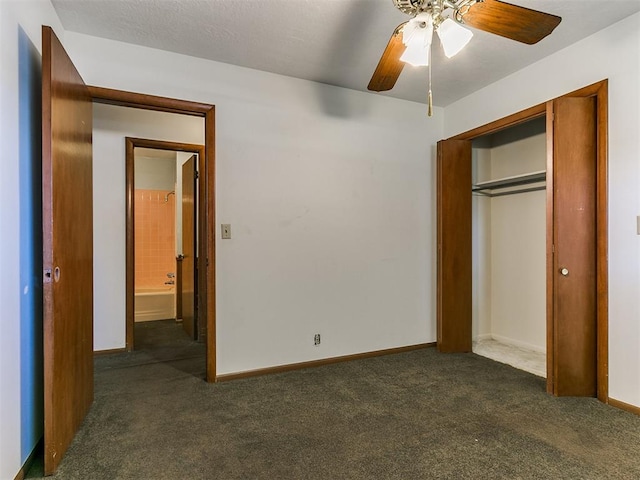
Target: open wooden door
{"type": "Point", "coordinates": [189, 320]}
{"type": "Point", "coordinates": [573, 359]}
{"type": "Point", "coordinates": [67, 217]}
{"type": "Point", "coordinates": [454, 246]}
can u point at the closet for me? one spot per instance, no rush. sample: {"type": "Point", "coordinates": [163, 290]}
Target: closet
{"type": "Point", "coordinates": [508, 171]}
{"type": "Point", "coordinates": [532, 276]}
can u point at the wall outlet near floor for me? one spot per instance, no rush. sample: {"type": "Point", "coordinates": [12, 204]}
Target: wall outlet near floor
{"type": "Point", "coordinates": [316, 339]}
{"type": "Point", "coordinates": [226, 231]}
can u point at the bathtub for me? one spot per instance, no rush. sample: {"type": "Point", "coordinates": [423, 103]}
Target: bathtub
{"type": "Point", "coordinates": [157, 303]}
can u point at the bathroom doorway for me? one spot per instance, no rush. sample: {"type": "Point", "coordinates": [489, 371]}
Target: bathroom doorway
{"type": "Point", "coordinates": [164, 257]}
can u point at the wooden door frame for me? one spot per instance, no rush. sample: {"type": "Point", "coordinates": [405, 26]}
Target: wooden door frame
{"type": "Point", "coordinates": [599, 91]}
{"type": "Point", "coordinates": [131, 144]}
{"type": "Point", "coordinates": [206, 111]}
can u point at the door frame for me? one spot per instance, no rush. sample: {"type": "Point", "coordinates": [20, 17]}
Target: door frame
{"type": "Point", "coordinates": [207, 300]}
{"type": "Point", "coordinates": [599, 91]}
{"type": "Point", "coordinates": [131, 143]}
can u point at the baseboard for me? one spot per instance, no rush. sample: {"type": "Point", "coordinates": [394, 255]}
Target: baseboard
{"type": "Point", "coordinates": [98, 353]}
{"type": "Point", "coordinates": [517, 343]}
{"type": "Point", "coordinates": [623, 406]}
{"type": "Point", "coordinates": [484, 336]}
{"type": "Point", "coordinates": [27, 463]}
{"type": "Point", "coordinates": [319, 363]}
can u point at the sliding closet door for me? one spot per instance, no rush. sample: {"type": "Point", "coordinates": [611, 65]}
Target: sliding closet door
{"type": "Point", "coordinates": [573, 359]}
{"type": "Point", "coordinates": [454, 246]}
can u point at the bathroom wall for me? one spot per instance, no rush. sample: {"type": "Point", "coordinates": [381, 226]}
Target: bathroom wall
{"type": "Point", "coordinates": [154, 169]}
{"type": "Point", "coordinates": [154, 216]}
{"type": "Point", "coordinates": [155, 240]}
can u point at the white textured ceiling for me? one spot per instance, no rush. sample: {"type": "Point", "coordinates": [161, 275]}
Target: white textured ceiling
{"type": "Point", "coordinates": [337, 42]}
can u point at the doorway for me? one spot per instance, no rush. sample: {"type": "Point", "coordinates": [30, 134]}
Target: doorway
{"type": "Point", "coordinates": [577, 319]}
{"type": "Point", "coordinates": [206, 200]}
{"type": "Point", "coordinates": [68, 274]}
{"type": "Point", "coordinates": [509, 237]}
{"type": "Point", "coordinates": [162, 242]}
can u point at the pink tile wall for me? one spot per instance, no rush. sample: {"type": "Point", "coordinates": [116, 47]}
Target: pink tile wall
{"type": "Point", "coordinates": [155, 237]}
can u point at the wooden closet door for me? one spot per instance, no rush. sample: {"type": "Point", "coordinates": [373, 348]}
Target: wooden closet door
{"type": "Point", "coordinates": [454, 295]}
{"type": "Point", "coordinates": [573, 359]}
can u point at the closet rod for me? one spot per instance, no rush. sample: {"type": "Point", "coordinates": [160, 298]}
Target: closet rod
{"type": "Point", "coordinates": [516, 180]}
{"type": "Point", "coordinates": [510, 192]}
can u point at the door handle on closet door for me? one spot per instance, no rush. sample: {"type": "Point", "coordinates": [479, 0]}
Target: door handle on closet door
{"type": "Point", "coordinates": [564, 271]}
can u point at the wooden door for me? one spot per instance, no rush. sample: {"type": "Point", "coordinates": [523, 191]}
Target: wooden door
{"type": "Point", "coordinates": [454, 246]}
{"type": "Point", "coordinates": [67, 217]}
{"type": "Point", "coordinates": [189, 320]}
{"type": "Point", "coordinates": [573, 358]}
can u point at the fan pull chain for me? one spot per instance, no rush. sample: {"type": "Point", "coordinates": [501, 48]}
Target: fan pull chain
{"type": "Point", "coordinates": [430, 96]}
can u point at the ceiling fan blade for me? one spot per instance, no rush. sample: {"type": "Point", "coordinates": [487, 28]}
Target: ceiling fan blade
{"type": "Point", "coordinates": [511, 21]}
{"type": "Point", "coordinates": [389, 66]}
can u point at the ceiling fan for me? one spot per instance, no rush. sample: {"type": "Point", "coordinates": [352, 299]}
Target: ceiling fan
{"type": "Point", "coordinates": [411, 40]}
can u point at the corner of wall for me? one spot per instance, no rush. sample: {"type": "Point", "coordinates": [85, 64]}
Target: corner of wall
{"type": "Point", "coordinates": [21, 378]}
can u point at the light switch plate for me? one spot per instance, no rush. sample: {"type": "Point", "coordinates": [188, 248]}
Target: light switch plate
{"type": "Point", "coordinates": [226, 231]}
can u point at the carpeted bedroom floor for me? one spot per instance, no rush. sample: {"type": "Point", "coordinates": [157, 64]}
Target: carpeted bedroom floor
{"type": "Point", "coordinates": [416, 415]}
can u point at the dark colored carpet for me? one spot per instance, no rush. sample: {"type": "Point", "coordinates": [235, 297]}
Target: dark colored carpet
{"type": "Point", "coordinates": [417, 415]}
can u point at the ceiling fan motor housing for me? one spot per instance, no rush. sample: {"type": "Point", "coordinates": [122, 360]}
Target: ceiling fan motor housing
{"type": "Point", "coordinates": [410, 7]}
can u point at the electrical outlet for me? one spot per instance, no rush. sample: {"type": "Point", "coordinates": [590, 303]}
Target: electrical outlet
{"type": "Point", "coordinates": [316, 339]}
{"type": "Point", "coordinates": [226, 231]}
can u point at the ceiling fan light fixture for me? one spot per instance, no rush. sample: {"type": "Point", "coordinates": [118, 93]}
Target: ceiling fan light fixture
{"type": "Point", "coordinates": [416, 54]}
{"type": "Point", "coordinates": [453, 36]}
{"type": "Point", "coordinates": [417, 36]}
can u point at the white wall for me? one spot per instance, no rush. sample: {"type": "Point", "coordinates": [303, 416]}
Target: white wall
{"type": "Point", "coordinates": [152, 173]}
{"type": "Point", "coordinates": [481, 242]}
{"type": "Point", "coordinates": [509, 240]}
{"type": "Point", "coordinates": [613, 53]}
{"type": "Point", "coordinates": [20, 281]}
{"type": "Point", "coordinates": [111, 125]}
{"type": "Point", "coordinates": [329, 193]}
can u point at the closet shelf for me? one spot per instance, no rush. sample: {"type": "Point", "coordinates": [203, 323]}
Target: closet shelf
{"type": "Point", "coordinates": [486, 188]}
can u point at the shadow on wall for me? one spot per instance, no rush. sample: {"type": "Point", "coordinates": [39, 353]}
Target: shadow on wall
{"type": "Point", "coordinates": [30, 211]}
{"type": "Point", "coordinates": [345, 52]}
